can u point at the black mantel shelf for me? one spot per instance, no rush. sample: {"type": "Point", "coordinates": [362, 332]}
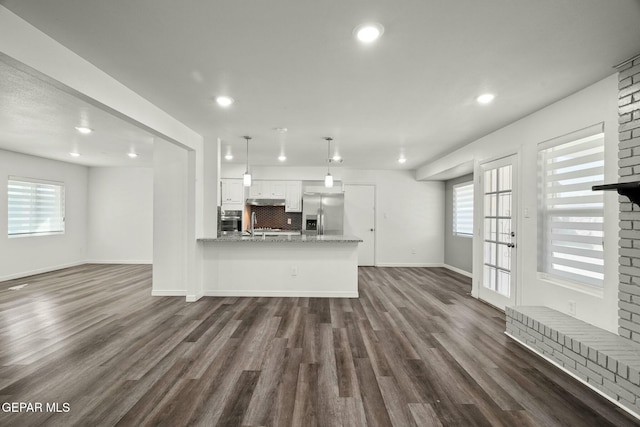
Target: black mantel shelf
{"type": "Point", "coordinates": [628, 189]}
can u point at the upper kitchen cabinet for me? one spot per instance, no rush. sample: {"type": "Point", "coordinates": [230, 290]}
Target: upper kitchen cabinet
{"type": "Point", "coordinates": [232, 194]}
{"type": "Point", "coordinates": [293, 196]}
{"type": "Point", "coordinates": [268, 189]}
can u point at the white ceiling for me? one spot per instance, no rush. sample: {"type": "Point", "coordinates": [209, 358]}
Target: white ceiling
{"type": "Point", "coordinates": [38, 118]}
{"type": "Point", "coordinates": [296, 64]}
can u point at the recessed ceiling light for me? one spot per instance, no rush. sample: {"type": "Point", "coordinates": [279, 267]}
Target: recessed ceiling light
{"type": "Point", "coordinates": [228, 157]}
{"type": "Point", "coordinates": [485, 98]}
{"type": "Point", "coordinates": [402, 160]}
{"type": "Point", "coordinates": [368, 33]}
{"type": "Point", "coordinates": [132, 155]}
{"type": "Point", "coordinates": [74, 154]}
{"type": "Point", "coordinates": [84, 130]}
{"type": "Point", "coordinates": [282, 157]}
{"type": "Point", "coordinates": [224, 101]}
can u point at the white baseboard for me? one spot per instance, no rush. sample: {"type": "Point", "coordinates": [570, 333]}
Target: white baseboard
{"type": "Point", "coordinates": [168, 293]}
{"type": "Point", "coordinates": [194, 298]}
{"type": "Point", "coordinates": [458, 270]}
{"type": "Point", "coordinates": [553, 362]}
{"type": "Point", "coordinates": [119, 261]}
{"type": "Point", "coordinates": [285, 294]}
{"type": "Point", "coordinates": [40, 271]}
{"type": "Point", "coordinates": [410, 264]}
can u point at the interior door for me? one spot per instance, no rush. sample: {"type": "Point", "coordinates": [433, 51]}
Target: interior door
{"type": "Point", "coordinates": [498, 183]}
{"type": "Point", "coordinates": [359, 219]}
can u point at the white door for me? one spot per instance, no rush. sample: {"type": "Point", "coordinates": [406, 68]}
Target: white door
{"type": "Point", "coordinates": [359, 219]}
{"type": "Point", "coordinates": [498, 183]}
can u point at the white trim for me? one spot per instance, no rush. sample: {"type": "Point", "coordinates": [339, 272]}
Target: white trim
{"type": "Point", "coordinates": [193, 298]}
{"type": "Point", "coordinates": [292, 293]}
{"type": "Point", "coordinates": [168, 293]}
{"type": "Point", "coordinates": [458, 270]}
{"type": "Point", "coordinates": [119, 261]}
{"type": "Point", "coordinates": [40, 271]}
{"type": "Point", "coordinates": [409, 264]}
{"type": "Point", "coordinates": [553, 362]}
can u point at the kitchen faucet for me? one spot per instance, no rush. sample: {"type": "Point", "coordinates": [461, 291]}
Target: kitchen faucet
{"type": "Point", "coordinates": [254, 220]}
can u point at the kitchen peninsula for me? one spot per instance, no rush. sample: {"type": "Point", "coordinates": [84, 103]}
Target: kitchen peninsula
{"type": "Point", "coordinates": [281, 266]}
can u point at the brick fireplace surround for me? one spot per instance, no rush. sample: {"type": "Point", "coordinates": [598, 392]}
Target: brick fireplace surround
{"type": "Point", "coordinates": [608, 363]}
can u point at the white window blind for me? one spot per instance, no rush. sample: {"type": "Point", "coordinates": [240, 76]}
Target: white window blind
{"type": "Point", "coordinates": [571, 214]}
{"type": "Point", "coordinates": [463, 209]}
{"type": "Point", "coordinates": [34, 207]}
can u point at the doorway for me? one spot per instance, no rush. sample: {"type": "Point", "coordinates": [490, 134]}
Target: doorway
{"type": "Point", "coordinates": [360, 218]}
{"type": "Point", "coordinates": [498, 203]}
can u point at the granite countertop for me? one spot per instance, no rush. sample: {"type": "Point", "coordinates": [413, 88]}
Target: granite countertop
{"type": "Point", "coordinates": [259, 238]}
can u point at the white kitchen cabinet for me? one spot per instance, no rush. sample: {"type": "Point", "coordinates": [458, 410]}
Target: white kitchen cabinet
{"type": "Point", "coordinates": [256, 191]}
{"type": "Point", "coordinates": [277, 189]}
{"type": "Point", "coordinates": [293, 196]}
{"type": "Point", "coordinates": [232, 191]}
{"type": "Point", "coordinates": [268, 189]}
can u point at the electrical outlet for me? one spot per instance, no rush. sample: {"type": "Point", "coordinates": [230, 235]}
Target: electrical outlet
{"type": "Point", "coordinates": [289, 221]}
{"type": "Point", "coordinates": [572, 307]}
{"type": "Point", "coordinates": [413, 251]}
{"type": "Point", "coordinates": [294, 271]}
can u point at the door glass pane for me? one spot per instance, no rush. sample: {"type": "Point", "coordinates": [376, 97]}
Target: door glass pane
{"type": "Point", "coordinates": [504, 204]}
{"type": "Point", "coordinates": [504, 257]}
{"type": "Point", "coordinates": [504, 230]}
{"type": "Point", "coordinates": [490, 229]}
{"type": "Point", "coordinates": [497, 229]}
{"type": "Point", "coordinates": [504, 178]}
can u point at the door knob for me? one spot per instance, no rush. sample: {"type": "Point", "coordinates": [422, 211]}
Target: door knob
{"type": "Point", "coordinates": [371, 229]}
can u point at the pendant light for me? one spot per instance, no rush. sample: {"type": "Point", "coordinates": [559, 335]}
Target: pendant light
{"type": "Point", "coordinates": [328, 180]}
{"type": "Point", "coordinates": [246, 178]}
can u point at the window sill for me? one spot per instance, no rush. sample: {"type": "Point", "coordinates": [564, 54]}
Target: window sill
{"type": "Point", "coordinates": [19, 236]}
{"type": "Point", "coordinates": [574, 286]}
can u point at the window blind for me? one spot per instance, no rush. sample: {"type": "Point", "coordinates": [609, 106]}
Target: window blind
{"type": "Point", "coordinates": [463, 209]}
{"type": "Point", "coordinates": [570, 213]}
{"type": "Point", "coordinates": [34, 207]}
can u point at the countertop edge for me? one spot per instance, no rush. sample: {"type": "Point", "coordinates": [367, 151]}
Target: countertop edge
{"type": "Point", "coordinates": [282, 239]}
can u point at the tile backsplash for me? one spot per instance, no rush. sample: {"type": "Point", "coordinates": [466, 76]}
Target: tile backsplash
{"type": "Point", "coordinates": [276, 217]}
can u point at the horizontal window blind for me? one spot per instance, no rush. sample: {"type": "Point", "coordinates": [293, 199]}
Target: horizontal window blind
{"type": "Point", "coordinates": [571, 213]}
{"type": "Point", "coordinates": [34, 207]}
{"type": "Point", "coordinates": [463, 209]}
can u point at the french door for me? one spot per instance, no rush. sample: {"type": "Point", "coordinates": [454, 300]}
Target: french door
{"type": "Point", "coordinates": [498, 280]}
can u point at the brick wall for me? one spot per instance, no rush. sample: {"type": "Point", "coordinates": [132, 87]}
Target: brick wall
{"type": "Point", "coordinates": [603, 360]}
{"type": "Point", "coordinates": [276, 217]}
{"type": "Point", "coordinates": [629, 170]}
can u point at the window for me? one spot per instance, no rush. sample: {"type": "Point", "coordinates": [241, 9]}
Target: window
{"type": "Point", "coordinates": [463, 209]}
{"type": "Point", "coordinates": [570, 214]}
{"type": "Point", "coordinates": [34, 207]}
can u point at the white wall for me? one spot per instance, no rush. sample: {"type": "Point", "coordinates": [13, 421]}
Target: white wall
{"type": "Point", "coordinates": [120, 226]}
{"type": "Point", "coordinates": [592, 105]}
{"type": "Point", "coordinates": [23, 256]}
{"type": "Point", "coordinates": [31, 48]}
{"type": "Point", "coordinates": [458, 250]}
{"type": "Point", "coordinates": [409, 213]}
{"type": "Point", "coordinates": [170, 211]}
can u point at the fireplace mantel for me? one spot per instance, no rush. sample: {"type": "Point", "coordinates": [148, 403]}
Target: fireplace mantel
{"type": "Point", "coordinates": [628, 189]}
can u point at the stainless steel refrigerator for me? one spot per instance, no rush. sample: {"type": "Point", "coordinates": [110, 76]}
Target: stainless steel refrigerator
{"type": "Point", "coordinates": [323, 213]}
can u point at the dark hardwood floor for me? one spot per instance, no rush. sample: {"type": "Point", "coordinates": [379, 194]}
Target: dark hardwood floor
{"type": "Point", "coordinates": [413, 350]}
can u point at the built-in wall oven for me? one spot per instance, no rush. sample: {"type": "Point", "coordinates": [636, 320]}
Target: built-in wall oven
{"type": "Point", "coordinates": [230, 221]}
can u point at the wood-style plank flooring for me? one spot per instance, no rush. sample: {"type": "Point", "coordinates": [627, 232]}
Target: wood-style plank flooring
{"type": "Point", "coordinates": [413, 350]}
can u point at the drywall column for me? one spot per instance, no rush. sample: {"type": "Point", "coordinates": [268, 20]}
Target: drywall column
{"type": "Point", "coordinates": [629, 170]}
{"type": "Point", "coordinates": [171, 219]}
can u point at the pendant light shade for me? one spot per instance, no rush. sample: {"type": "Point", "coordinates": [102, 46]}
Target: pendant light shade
{"type": "Point", "coordinates": [246, 178]}
{"type": "Point", "coordinates": [328, 180]}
